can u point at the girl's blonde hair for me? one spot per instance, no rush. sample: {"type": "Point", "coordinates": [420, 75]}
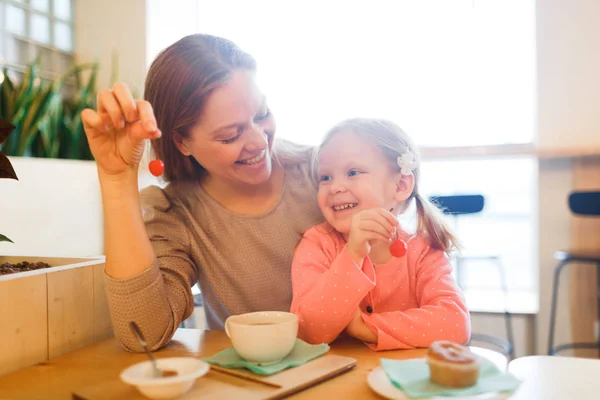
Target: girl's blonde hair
{"type": "Point", "coordinates": [393, 142]}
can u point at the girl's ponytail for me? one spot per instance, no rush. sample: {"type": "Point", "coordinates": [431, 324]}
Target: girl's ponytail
{"type": "Point", "coordinates": [432, 225]}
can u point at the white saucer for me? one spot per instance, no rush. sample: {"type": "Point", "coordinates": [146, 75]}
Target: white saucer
{"type": "Point", "coordinates": [381, 384]}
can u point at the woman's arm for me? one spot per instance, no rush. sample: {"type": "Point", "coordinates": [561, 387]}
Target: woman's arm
{"type": "Point", "coordinates": [128, 249]}
{"type": "Point", "coordinates": [159, 298]}
{"type": "Point", "coordinates": [136, 290]}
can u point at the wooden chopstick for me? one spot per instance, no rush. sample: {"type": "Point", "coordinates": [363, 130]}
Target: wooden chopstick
{"type": "Point", "coordinates": [243, 376]}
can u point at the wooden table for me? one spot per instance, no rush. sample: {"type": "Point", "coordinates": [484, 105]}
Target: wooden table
{"type": "Point", "coordinates": [556, 378]}
{"type": "Point", "coordinates": [58, 378]}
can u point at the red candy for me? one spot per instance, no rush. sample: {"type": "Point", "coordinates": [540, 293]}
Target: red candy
{"type": "Point", "coordinates": [398, 248]}
{"type": "Point", "coordinates": [157, 167]}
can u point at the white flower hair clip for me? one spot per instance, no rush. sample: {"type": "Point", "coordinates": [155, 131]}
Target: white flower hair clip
{"type": "Point", "coordinates": [407, 163]}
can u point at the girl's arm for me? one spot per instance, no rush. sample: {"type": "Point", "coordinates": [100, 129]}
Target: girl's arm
{"type": "Point", "coordinates": [328, 286]}
{"type": "Point", "coordinates": [442, 314]}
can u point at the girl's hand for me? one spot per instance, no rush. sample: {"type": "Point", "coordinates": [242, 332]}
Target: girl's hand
{"type": "Point", "coordinates": [359, 330]}
{"type": "Point", "coordinates": [369, 225]}
{"type": "Point", "coordinates": [117, 130]}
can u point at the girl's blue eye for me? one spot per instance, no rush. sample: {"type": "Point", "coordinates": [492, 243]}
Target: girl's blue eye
{"type": "Point", "coordinates": [324, 178]}
{"type": "Point", "coordinates": [353, 172]}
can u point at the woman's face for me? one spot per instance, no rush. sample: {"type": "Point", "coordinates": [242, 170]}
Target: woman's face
{"type": "Point", "coordinates": [233, 137]}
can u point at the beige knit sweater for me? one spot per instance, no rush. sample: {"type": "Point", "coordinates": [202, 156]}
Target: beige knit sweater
{"type": "Point", "coordinates": [242, 262]}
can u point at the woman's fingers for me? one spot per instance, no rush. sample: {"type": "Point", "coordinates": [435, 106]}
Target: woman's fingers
{"type": "Point", "coordinates": [92, 123]}
{"type": "Point", "coordinates": [147, 116]}
{"type": "Point", "coordinates": [110, 110]}
{"type": "Point", "coordinates": [138, 131]}
{"type": "Point", "coordinates": [126, 102]}
{"type": "Point", "coordinates": [146, 127]}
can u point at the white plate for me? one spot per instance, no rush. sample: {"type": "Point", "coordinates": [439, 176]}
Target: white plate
{"type": "Point", "coordinates": [381, 384]}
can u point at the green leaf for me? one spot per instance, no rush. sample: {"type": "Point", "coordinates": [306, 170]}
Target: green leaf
{"type": "Point", "coordinates": [30, 80]}
{"type": "Point", "coordinates": [4, 239]}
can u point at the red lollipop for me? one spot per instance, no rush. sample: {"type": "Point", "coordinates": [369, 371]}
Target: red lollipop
{"type": "Point", "coordinates": [398, 248]}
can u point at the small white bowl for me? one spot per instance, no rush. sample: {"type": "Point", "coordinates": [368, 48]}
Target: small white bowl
{"type": "Point", "coordinates": [188, 369]}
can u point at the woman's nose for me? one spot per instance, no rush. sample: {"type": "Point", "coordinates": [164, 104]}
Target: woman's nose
{"type": "Point", "coordinates": [257, 139]}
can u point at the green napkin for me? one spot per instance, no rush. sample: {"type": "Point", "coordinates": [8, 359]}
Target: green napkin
{"type": "Point", "coordinates": [412, 377]}
{"type": "Point", "coordinates": [301, 353]}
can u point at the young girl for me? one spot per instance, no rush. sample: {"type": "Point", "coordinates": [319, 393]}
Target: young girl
{"type": "Point", "coordinates": [344, 276]}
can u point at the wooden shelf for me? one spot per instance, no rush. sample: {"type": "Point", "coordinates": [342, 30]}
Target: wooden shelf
{"type": "Point", "coordinates": [508, 150]}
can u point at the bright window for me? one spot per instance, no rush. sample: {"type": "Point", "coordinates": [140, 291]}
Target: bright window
{"type": "Point", "coordinates": [31, 28]}
{"type": "Point", "coordinates": [450, 72]}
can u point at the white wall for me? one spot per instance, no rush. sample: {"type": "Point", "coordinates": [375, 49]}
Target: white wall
{"type": "Point", "coordinates": [568, 68]}
{"type": "Point", "coordinates": [103, 27]}
{"type": "Point", "coordinates": [170, 21]}
{"type": "Point", "coordinates": [568, 91]}
{"type": "Point", "coordinates": [54, 209]}
{"type": "Point", "coordinates": [107, 26]}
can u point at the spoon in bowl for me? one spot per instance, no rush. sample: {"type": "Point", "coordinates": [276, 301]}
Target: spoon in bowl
{"type": "Point", "coordinates": [158, 373]}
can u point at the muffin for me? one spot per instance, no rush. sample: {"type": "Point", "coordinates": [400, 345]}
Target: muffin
{"type": "Point", "coordinates": [452, 365]}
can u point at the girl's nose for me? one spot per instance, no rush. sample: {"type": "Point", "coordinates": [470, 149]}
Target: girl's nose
{"type": "Point", "coordinates": [338, 187]}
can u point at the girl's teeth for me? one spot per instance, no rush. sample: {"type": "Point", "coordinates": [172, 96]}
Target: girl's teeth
{"type": "Point", "coordinates": [343, 207]}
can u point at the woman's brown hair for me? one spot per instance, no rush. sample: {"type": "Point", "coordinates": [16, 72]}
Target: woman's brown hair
{"type": "Point", "coordinates": [393, 142]}
{"type": "Point", "coordinates": [177, 85]}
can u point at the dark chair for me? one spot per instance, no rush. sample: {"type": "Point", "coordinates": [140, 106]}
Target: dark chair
{"type": "Point", "coordinates": [456, 206]}
{"type": "Point", "coordinates": [585, 204]}
{"type": "Point", "coordinates": [472, 204]}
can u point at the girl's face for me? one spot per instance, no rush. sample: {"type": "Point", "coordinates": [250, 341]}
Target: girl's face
{"type": "Point", "coordinates": [234, 135]}
{"type": "Point", "coordinates": [355, 176]}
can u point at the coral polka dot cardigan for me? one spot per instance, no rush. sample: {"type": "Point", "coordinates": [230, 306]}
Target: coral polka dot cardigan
{"type": "Point", "coordinates": [408, 302]}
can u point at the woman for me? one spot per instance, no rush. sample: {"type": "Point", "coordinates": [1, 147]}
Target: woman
{"type": "Point", "coordinates": [235, 206]}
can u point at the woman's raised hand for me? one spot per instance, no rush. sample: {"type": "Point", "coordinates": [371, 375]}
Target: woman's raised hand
{"type": "Point", "coordinates": [117, 131]}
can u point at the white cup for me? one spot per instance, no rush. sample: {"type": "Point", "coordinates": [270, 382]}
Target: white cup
{"type": "Point", "coordinates": [264, 337]}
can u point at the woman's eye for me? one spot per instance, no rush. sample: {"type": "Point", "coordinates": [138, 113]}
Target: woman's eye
{"type": "Point", "coordinates": [263, 117]}
{"type": "Point", "coordinates": [353, 172]}
{"type": "Point", "coordinates": [231, 140]}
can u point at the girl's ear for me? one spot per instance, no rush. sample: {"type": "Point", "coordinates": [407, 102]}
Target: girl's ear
{"type": "Point", "coordinates": [181, 144]}
{"type": "Point", "coordinates": [404, 187]}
